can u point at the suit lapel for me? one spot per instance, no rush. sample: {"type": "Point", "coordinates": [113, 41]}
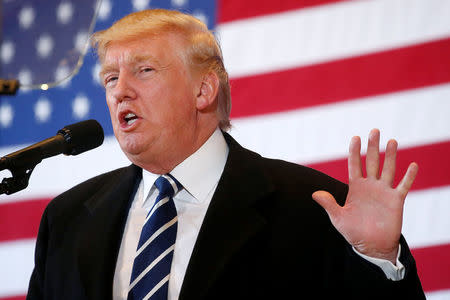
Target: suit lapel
{"type": "Point", "coordinates": [100, 237]}
{"type": "Point", "coordinates": [231, 220]}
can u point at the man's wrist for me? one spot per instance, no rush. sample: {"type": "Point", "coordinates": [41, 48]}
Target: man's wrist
{"type": "Point", "coordinates": [393, 272]}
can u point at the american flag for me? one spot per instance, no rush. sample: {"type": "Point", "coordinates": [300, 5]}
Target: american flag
{"type": "Point", "coordinates": [305, 75]}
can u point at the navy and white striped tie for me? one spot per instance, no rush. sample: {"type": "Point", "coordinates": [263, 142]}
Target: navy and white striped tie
{"type": "Point", "coordinates": [151, 267]}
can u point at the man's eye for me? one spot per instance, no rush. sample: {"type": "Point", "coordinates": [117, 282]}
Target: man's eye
{"type": "Point", "coordinates": [146, 70]}
{"type": "Point", "coordinates": [110, 79]}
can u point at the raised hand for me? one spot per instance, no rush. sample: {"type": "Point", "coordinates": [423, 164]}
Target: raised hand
{"type": "Point", "coordinates": [371, 219]}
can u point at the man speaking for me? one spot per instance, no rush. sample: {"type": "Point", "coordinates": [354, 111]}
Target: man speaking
{"type": "Point", "coordinates": [197, 216]}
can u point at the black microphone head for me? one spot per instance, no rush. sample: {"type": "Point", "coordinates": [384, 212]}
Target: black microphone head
{"type": "Point", "coordinates": [82, 136]}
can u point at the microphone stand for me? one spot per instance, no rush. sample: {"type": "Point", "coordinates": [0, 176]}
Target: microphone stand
{"type": "Point", "coordinates": [18, 182]}
{"type": "Point", "coordinates": [21, 172]}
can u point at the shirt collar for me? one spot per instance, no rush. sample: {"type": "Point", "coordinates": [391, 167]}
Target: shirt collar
{"type": "Point", "coordinates": [200, 172]}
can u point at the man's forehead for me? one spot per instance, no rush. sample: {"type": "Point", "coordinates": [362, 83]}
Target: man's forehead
{"type": "Point", "coordinates": [130, 58]}
{"type": "Point", "coordinates": [144, 49]}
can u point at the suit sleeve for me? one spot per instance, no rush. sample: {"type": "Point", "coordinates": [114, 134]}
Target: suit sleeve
{"type": "Point", "coordinates": [365, 278]}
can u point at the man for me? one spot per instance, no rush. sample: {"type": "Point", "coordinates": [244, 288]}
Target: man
{"type": "Point", "coordinates": [246, 226]}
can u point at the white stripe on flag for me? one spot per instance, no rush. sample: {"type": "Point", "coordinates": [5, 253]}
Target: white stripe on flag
{"type": "Point", "coordinates": [426, 219]}
{"type": "Point", "coordinates": [439, 295]}
{"type": "Point", "coordinates": [415, 117]}
{"type": "Point", "coordinates": [51, 176]}
{"type": "Point", "coordinates": [17, 265]}
{"type": "Point", "coordinates": [329, 32]}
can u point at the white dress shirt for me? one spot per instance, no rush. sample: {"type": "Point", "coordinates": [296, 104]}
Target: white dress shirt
{"type": "Point", "coordinates": [199, 174]}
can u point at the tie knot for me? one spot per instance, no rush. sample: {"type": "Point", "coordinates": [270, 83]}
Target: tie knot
{"type": "Point", "coordinates": [167, 186]}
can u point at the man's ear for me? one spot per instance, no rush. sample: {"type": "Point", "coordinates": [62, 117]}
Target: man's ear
{"type": "Point", "coordinates": [208, 90]}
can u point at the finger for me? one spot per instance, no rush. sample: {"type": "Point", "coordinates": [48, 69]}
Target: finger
{"type": "Point", "coordinates": [405, 185]}
{"type": "Point", "coordinates": [388, 173]}
{"type": "Point", "coordinates": [373, 154]}
{"type": "Point", "coordinates": [354, 159]}
{"type": "Point", "coordinates": [327, 201]}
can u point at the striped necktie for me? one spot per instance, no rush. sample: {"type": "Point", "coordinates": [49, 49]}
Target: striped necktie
{"type": "Point", "coordinates": [151, 267]}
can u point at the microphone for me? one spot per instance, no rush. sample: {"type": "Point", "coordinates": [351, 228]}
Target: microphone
{"type": "Point", "coordinates": [71, 140]}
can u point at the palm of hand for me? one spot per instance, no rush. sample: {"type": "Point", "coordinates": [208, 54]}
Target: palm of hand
{"type": "Point", "coordinates": [371, 219]}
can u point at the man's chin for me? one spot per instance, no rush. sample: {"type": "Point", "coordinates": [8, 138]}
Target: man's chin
{"type": "Point", "coordinates": [131, 149]}
{"type": "Point", "coordinates": [136, 153]}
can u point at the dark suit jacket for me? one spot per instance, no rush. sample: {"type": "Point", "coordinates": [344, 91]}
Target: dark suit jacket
{"type": "Point", "coordinates": [263, 237]}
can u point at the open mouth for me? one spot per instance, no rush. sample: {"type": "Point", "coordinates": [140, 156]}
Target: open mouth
{"type": "Point", "coordinates": [130, 118]}
{"type": "Point", "coordinates": [127, 118]}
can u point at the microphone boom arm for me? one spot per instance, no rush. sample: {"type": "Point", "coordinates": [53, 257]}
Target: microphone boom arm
{"type": "Point", "coordinates": [71, 140]}
{"type": "Point", "coordinates": [21, 169]}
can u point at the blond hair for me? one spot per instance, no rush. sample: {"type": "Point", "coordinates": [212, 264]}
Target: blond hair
{"type": "Point", "coordinates": [202, 52]}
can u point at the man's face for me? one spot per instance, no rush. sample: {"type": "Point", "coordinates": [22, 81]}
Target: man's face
{"type": "Point", "coordinates": [151, 97]}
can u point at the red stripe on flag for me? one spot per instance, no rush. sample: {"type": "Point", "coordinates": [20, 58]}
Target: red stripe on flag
{"type": "Point", "coordinates": [20, 220]}
{"type": "Point", "coordinates": [14, 298]}
{"type": "Point", "coordinates": [429, 157]}
{"type": "Point", "coordinates": [433, 266]}
{"type": "Point", "coordinates": [231, 10]}
{"type": "Point", "coordinates": [374, 74]}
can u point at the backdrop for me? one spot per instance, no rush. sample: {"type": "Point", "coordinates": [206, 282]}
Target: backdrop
{"type": "Point", "coordinates": [306, 76]}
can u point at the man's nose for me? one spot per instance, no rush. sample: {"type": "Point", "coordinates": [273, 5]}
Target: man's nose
{"type": "Point", "coordinates": [124, 89]}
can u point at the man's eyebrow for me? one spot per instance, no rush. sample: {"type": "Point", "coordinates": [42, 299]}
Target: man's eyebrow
{"type": "Point", "coordinates": [107, 68]}
{"type": "Point", "coordinates": [141, 58]}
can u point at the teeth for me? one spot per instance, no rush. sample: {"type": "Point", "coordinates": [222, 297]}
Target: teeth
{"type": "Point", "coordinates": [130, 118]}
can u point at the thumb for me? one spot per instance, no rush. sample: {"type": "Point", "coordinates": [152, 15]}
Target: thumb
{"type": "Point", "coordinates": [327, 201]}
